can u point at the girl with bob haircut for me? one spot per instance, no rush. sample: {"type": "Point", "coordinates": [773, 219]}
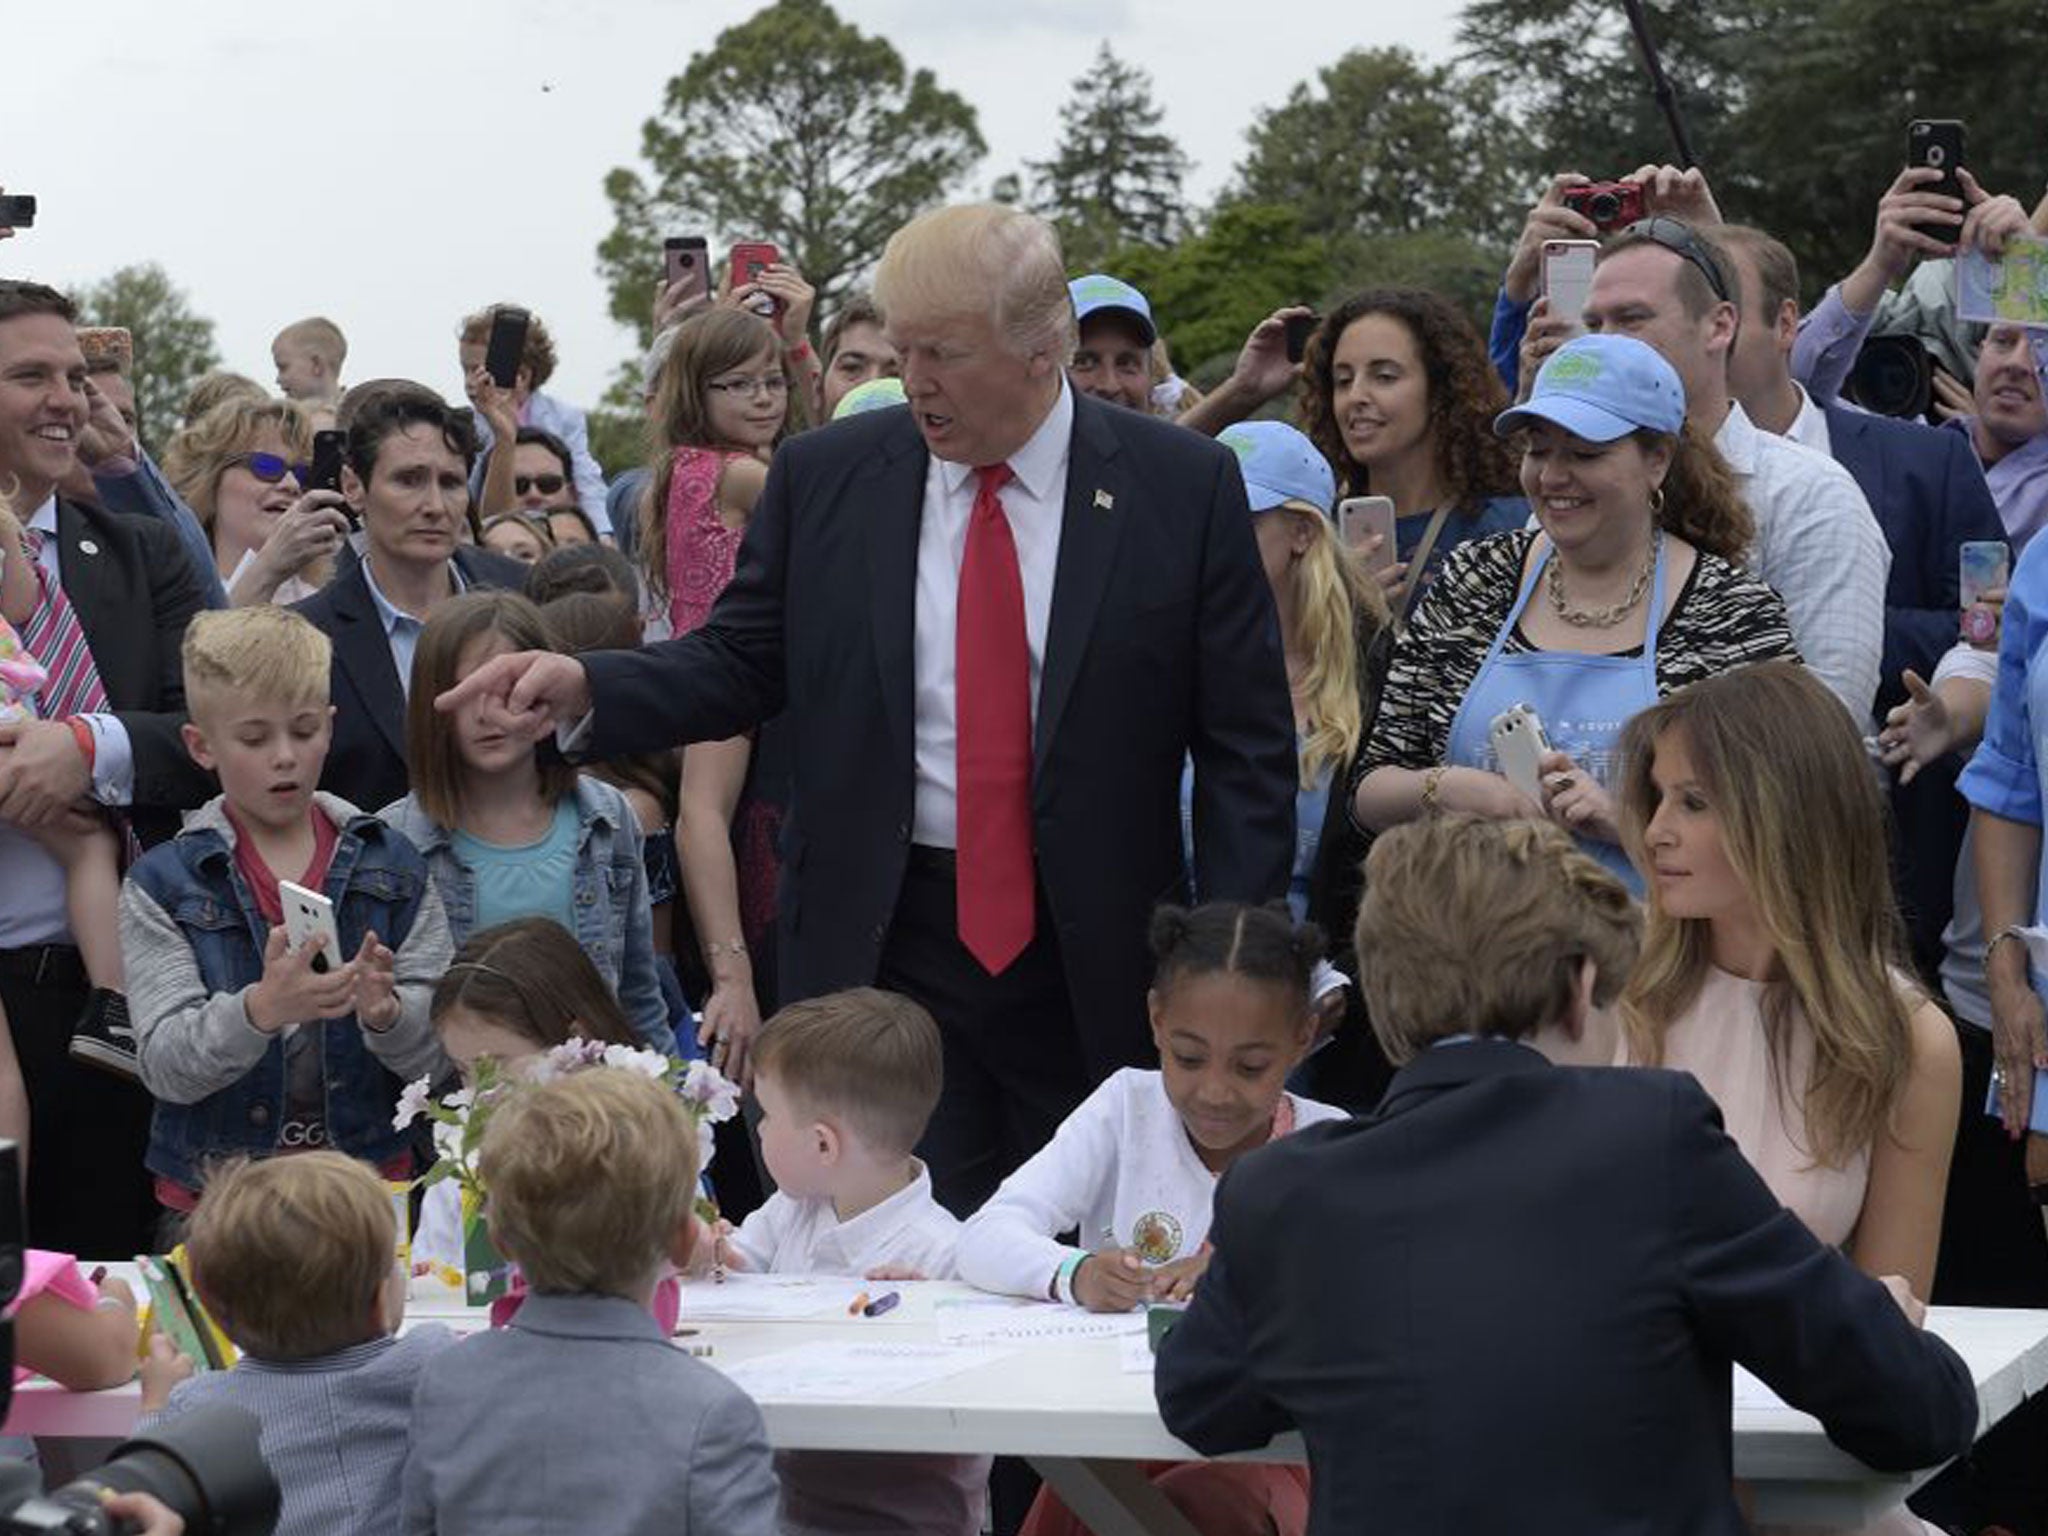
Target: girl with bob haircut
{"type": "Point", "coordinates": [507, 835]}
{"type": "Point", "coordinates": [1770, 966]}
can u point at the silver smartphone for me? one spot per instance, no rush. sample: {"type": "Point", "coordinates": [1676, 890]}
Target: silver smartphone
{"type": "Point", "coordinates": [1359, 518]}
{"type": "Point", "coordinates": [309, 919]}
{"type": "Point", "coordinates": [1518, 746]}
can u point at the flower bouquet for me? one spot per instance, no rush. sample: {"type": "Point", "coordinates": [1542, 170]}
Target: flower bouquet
{"type": "Point", "coordinates": [460, 1118]}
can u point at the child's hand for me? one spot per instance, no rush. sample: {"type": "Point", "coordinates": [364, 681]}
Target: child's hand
{"type": "Point", "coordinates": [894, 1272]}
{"type": "Point", "coordinates": [292, 992]}
{"type": "Point", "coordinates": [376, 993]}
{"type": "Point", "coordinates": [163, 1370]}
{"type": "Point", "coordinates": [1176, 1281]}
{"type": "Point", "coordinates": [1114, 1280]}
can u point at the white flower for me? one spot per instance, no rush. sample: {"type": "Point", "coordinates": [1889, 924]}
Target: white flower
{"type": "Point", "coordinates": [648, 1063]}
{"type": "Point", "coordinates": [412, 1103]}
{"type": "Point", "coordinates": [461, 1098]}
{"type": "Point", "coordinates": [710, 1091]}
{"type": "Point", "coordinates": [447, 1142]}
{"type": "Point", "coordinates": [707, 1144]}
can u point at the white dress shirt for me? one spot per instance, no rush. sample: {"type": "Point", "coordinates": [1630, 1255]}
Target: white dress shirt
{"type": "Point", "coordinates": [31, 881]}
{"type": "Point", "coordinates": [1809, 428]}
{"type": "Point", "coordinates": [1035, 503]}
{"type": "Point", "coordinates": [401, 630]}
{"type": "Point", "coordinates": [1818, 544]}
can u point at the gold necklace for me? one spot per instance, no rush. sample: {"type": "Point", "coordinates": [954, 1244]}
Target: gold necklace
{"type": "Point", "coordinates": [1601, 618]}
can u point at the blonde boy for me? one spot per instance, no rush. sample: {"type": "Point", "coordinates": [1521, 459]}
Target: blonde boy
{"type": "Point", "coordinates": [846, 1083]}
{"type": "Point", "coordinates": [581, 1415]}
{"type": "Point", "coordinates": [294, 1259]}
{"type": "Point", "coordinates": [309, 354]}
{"type": "Point", "coordinates": [252, 1047]}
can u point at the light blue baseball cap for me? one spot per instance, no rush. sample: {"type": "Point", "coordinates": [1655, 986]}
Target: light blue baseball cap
{"type": "Point", "coordinates": [1280, 466]}
{"type": "Point", "coordinates": [1099, 291]}
{"type": "Point", "coordinates": [1601, 388]}
{"type": "Point", "coordinates": [873, 395]}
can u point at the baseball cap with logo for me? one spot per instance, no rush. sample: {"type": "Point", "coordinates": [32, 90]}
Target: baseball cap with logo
{"type": "Point", "coordinates": [1098, 292]}
{"type": "Point", "coordinates": [1601, 388]}
{"type": "Point", "coordinates": [873, 395]}
{"type": "Point", "coordinates": [1280, 467]}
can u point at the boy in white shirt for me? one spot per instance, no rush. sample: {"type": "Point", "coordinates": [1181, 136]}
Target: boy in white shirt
{"type": "Point", "coordinates": [846, 1083]}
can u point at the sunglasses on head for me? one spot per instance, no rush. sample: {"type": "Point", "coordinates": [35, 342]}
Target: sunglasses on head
{"type": "Point", "coordinates": [271, 468]}
{"type": "Point", "coordinates": [1677, 237]}
{"type": "Point", "coordinates": [547, 485]}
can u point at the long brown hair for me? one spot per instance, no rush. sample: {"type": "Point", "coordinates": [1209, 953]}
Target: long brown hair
{"type": "Point", "coordinates": [531, 976]}
{"type": "Point", "coordinates": [1802, 823]}
{"type": "Point", "coordinates": [705, 346]}
{"type": "Point", "coordinates": [1465, 394]}
{"type": "Point", "coordinates": [1701, 504]}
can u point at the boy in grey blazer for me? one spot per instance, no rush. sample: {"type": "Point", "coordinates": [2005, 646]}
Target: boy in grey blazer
{"type": "Point", "coordinates": [581, 1415]}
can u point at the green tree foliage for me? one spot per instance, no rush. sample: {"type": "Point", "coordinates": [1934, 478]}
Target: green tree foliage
{"type": "Point", "coordinates": [793, 127]}
{"type": "Point", "coordinates": [173, 346]}
{"type": "Point", "coordinates": [1115, 178]}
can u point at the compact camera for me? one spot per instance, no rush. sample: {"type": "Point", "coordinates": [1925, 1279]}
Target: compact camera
{"type": "Point", "coordinates": [1609, 204]}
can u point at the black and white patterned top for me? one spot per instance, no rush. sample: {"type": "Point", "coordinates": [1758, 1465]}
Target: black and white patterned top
{"type": "Point", "coordinates": [1723, 618]}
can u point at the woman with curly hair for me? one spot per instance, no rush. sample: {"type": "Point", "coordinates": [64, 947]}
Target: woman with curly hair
{"type": "Point", "coordinates": [1398, 394]}
{"type": "Point", "coordinates": [1628, 590]}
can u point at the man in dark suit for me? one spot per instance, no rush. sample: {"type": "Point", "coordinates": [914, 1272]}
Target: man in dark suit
{"type": "Point", "coordinates": [1000, 620]}
{"type": "Point", "coordinates": [1510, 1298]}
{"type": "Point", "coordinates": [106, 736]}
{"type": "Point", "coordinates": [407, 477]}
{"type": "Point", "coordinates": [1930, 497]}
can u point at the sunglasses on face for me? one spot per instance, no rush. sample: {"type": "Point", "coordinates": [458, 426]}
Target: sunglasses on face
{"type": "Point", "coordinates": [270, 468]}
{"type": "Point", "coordinates": [547, 485]}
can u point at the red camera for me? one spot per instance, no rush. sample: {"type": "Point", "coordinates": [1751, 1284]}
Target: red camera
{"type": "Point", "coordinates": [1609, 204]}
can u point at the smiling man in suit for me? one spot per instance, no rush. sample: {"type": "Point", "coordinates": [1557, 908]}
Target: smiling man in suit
{"type": "Point", "coordinates": [1000, 619]}
{"type": "Point", "coordinates": [117, 594]}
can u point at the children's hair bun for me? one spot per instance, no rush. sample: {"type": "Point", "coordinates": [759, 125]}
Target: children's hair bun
{"type": "Point", "coordinates": [1170, 928]}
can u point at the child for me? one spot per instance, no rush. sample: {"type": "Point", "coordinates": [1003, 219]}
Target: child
{"type": "Point", "coordinates": [293, 1258]}
{"type": "Point", "coordinates": [86, 846]}
{"type": "Point", "coordinates": [846, 1084]}
{"type": "Point", "coordinates": [1135, 1167]}
{"type": "Point", "coordinates": [309, 354]}
{"type": "Point", "coordinates": [507, 834]}
{"type": "Point", "coordinates": [581, 1414]}
{"type": "Point", "coordinates": [721, 401]}
{"type": "Point", "coordinates": [251, 1047]}
{"type": "Point", "coordinates": [511, 992]}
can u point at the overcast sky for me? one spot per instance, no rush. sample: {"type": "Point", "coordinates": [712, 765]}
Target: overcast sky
{"type": "Point", "coordinates": [394, 163]}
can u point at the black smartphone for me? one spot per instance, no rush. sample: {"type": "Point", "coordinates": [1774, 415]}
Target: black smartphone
{"type": "Point", "coordinates": [1299, 329]}
{"type": "Point", "coordinates": [1937, 143]}
{"type": "Point", "coordinates": [329, 450]}
{"type": "Point", "coordinates": [687, 257]}
{"type": "Point", "coordinates": [17, 212]}
{"type": "Point", "coordinates": [507, 345]}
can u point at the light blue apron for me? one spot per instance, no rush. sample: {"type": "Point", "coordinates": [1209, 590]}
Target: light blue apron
{"type": "Point", "coordinates": [1584, 701]}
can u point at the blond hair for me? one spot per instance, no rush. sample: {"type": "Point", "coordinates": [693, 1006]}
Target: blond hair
{"type": "Point", "coordinates": [217, 388]}
{"type": "Point", "coordinates": [974, 258]}
{"type": "Point", "coordinates": [318, 335]}
{"type": "Point", "coordinates": [1801, 821]}
{"type": "Point", "coordinates": [1478, 926]}
{"type": "Point", "coordinates": [209, 445]}
{"type": "Point", "coordinates": [868, 1058]}
{"type": "Point", "coordinates": [263, 654]}
{"type": "Point", "coordinates": [290, 1253]}
{"type": "Point", "coordinates": [591, 1178]}
{"type": "Point", "coordinates": [1336, 608]}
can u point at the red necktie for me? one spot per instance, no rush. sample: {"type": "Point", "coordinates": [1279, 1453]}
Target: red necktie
{"type": "Point", "coordinates": [992, 709]}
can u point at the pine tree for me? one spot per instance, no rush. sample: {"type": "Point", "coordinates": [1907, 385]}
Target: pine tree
{"type": "Point", "coordinates": [1115, 178]}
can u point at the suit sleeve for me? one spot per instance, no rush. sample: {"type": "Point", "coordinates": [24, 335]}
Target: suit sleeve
{"type": "Point", "coordinates": [714, 682]}
{"type": "Point", "coordinates": [1243, 734]}
{"type": "Point", "coordinates": [731, 1478]}
{"type": "Point", "coordinates": [1820, 1333]}
{"type": "Point", "coordinates": [165, 774]}
{"type": "Point", "coordinates": [1203, 1378]}
{"type": "Point", "coordinates": [143, 492]}
{"type": "Point", "coordinates": [1960, 511]}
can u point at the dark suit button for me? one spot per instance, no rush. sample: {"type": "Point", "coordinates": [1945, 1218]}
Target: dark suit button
{"type": "Point", "coordinates": [902, 831]}
{"type": "Point", "coordinates": [259, 1114]}
{"type": "Point", "coordinates": [879, 932]}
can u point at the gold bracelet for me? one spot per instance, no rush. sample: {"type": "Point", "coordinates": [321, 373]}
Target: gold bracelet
{"type": "Point", "coordinates": [1432, 784]}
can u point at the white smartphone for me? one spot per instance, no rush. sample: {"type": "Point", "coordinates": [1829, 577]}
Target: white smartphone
{"type": "Point", "coordinates": [1359, 518]}
{"type": "Point", "coordinates": [1568, 279]}
{"type": "Point", "coordinates": [1518, 746]}
{"type": "Point", "coordinates": [309, 919]}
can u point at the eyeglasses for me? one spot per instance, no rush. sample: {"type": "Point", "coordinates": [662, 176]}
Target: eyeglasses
{"type": "Point", "coordinates": [1677, 237]}
{"type": "Point", "coordinates": [547, 485]}
{"type": "Point", "coordinates": [768, 384]}
{"type": "Point", "coordinates": [269, 468]}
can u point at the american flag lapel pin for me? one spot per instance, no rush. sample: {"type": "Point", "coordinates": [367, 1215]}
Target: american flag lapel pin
{"type": "Point", "coordinates": [1104, 501]}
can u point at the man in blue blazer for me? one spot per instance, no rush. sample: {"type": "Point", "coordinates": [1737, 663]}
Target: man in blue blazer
{"type": "Point", "coordinates": [1509, 1299]}
{"type": "Point", "coordinates": [1000, 620]}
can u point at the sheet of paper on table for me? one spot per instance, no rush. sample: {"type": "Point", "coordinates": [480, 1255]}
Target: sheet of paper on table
{"type": "Point", "coordinates": [1751, 1393]}
{"type": "Point", "coordinates": [1134, 1353]}
{"type": "Point", "coordinates": [829, 1371]}
{"type": "Point", "coordinates": [1007, 1320]}
{"type": "Point", "coordinates": [767, 1298]}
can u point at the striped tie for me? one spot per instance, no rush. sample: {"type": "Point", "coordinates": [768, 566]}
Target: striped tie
{"type": "Point", "coordinates": [54, 637]}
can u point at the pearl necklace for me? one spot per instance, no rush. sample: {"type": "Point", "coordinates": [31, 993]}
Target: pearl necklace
{"type": "Point", "coordinates": [1601, 618]}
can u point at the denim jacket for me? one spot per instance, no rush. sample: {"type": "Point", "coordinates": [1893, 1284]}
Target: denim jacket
{"type": "Point", "coordinates": [192, 942]}
{"type": "Point", "coordinates": [614, 923]}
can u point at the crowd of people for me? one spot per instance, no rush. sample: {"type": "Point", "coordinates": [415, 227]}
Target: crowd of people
{"type": "Point", "coordinates": [1117, 873]}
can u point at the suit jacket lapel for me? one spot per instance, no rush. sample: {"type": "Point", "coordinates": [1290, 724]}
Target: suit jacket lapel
{"type": "Point", "coordinates": [890, 493]}
{"type": "Point", "coordinates": [1098, 499]}
{"type": "Point", "coordinates": [364, 651]}
{"type": "Point", "coordinates": [93, 586]}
